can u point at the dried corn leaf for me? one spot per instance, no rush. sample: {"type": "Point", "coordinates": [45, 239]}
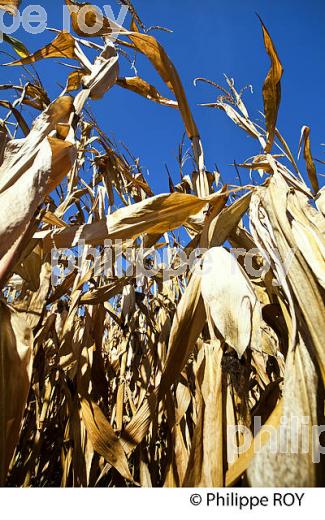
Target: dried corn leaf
{"type": "Point", "coordinates": [32, 167]}
{"type": "Point", "coordinates": [230, 301]}
{"type": "Point", "coordinates": [271, 89]}
{"type": "Point", "coordinates": [287, 458]}
{"type": "Point", "coordinates": [311, 168]}
{"type": "Point", "coordinates": [187, 324]}
{"type": "Point", "coordinates": [103, 438]}
{"type": "Point", "coordinates": [15, 374]}
{"type": "Point", "coordinates": [320, 200]}
{"type": "Point", "coordinates": [153, 215]}
{"type": "Point", "coordinates": [205, 465]}
{"type": "Point", "coordinates": [143, 88]}
{"type": "Point", "coordinates": [238, 468]}
{"type": "Point", "coordinates": [151, 48]}
{"type": "Point", "coordinates": [63, 46]}
{"type": "Point", "coordinates": [75, 80]}
{"type": "Point", "coordinates": [281, 206]}
{"type": "Point", "coordinates": [103, 74]}
{"type": "Point", "coordinates": [88, 20]}
{"type": "Point", "coordinates": [219, 229]}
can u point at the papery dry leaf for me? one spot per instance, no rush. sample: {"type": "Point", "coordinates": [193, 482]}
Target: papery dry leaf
{"type": "Point", "coordinates": [142, 372]}
{"type": "Point", "coordinates": [138, 427]}
{"type": "Point", "coordinates": [154, 215]}
{"type": "Point", "coordinates": [230, 300]}
{"type": "Point", "coordinates": [238, 468]}
{"type": "Point", "coordinates": [75, 80]}
{"type": "Point", "coordinates": [187, 324]}
{"type": "Point", "coordinates": [15, 374]}
{"type": "Point", "coordinates": [312, 246]}
{"type": "Point", "coordinates": [103, 293]}
{"type": "Point", "coordinates": [205, 465]}
{"type": "Point", "coordinates": [320, 200]}
{"type": "Point", "coordinates": [103, 438]}
{"type": "Point", "coordinates": [32, 167]}
{"type": "Point", "coordinates": [104, 73]}
{"type": "Point", "coordinates": [140, 86]}
{"type": "Point", "coordinates": [88, 21]}
{"type": "Point", "coordinates": [276, 204]}
{"type": "Point", "coordinates": [31, 308]}
{"type": "Point", "coordinates": [223, 224]}
{"type": "Point", "coordinates": [238, 119]}
{"type": "Point", "coordinates": [3, 141]}
{"type": "Point", "coordinates": [271, 89]}
{"type": "Point", "coordinates": [151, 48]}
{"type": "Point", "coordinates": [310, 165]}
{"type": "Point", "coordinates": [63, 46]}
{"type": "Point", "coordinates": [20, 119]}
{"type": "Point", "coordinates": [287, 459]}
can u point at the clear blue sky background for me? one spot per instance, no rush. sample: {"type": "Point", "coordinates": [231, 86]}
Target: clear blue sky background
{"type": "Point", "coordinates": [209, 38]}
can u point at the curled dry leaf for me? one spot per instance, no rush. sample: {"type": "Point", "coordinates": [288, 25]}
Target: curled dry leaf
{"type": "Point", "coordinates": [271, 89]}
{"type": "Point", "coordinates": [150, 47]}
{"type": "Point", "coordinates": [102, 77]}
{"type": "Point", "coordinates": [138, 377]}
{"type": "Point", "coordinates": [142, 87]}
{"type": "Point", "coordinates": [311, 168]}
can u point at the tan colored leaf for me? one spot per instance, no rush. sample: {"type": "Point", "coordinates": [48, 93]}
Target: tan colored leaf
{"type": "Point", "coordinates": [219, 229]}
{"type": "Point", "coordinates": [320, 200]}
{"type": "Point", "coordinates": [149, 46]}
{"type": "Point", "coordinates": [31, 169]}
{"type": "Point", "coordinates": [103, 438]}
{"type": "Point", "coordinates": [140, 86]}
{"type": "Point", "coordinates": [230, 300]}
{"type": "Point", "coordinates": [187, 324]}
{"type": "Point", "coordinates": [15, 374]}
{"type": "Point", "coordinates": [88, 20]}
{"type": "Point", "coordinates": [205, 465]}
{"type": "Point", "coordinates": [75, 80]}
{"type": "Point", "coordinates": [153, 215]}
{"type": "Point", "coordinates": [103, 74]}
{"type": "Point", "coordinates": [288, 458]}
{"type": "Point", "coordinates": [63, 46]}
{"type": "Point", "coordinates": [279, 208]}
{"type": "Point", "coordinates": [238, 468]}
{"type": "Point", "coordinates": [311, 168]}
{"type": "Point", "coordinates": [271, 89]}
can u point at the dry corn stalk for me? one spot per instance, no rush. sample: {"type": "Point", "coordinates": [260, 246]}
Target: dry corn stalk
{"type": "Point", "coordinates": [111, 378]}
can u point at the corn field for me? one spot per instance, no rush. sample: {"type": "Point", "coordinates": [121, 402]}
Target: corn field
{"type": "Point", "coordinates": [112, 378]}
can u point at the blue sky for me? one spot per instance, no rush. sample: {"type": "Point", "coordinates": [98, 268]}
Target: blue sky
{"type": "Point", "coordinates": [209, 38]}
